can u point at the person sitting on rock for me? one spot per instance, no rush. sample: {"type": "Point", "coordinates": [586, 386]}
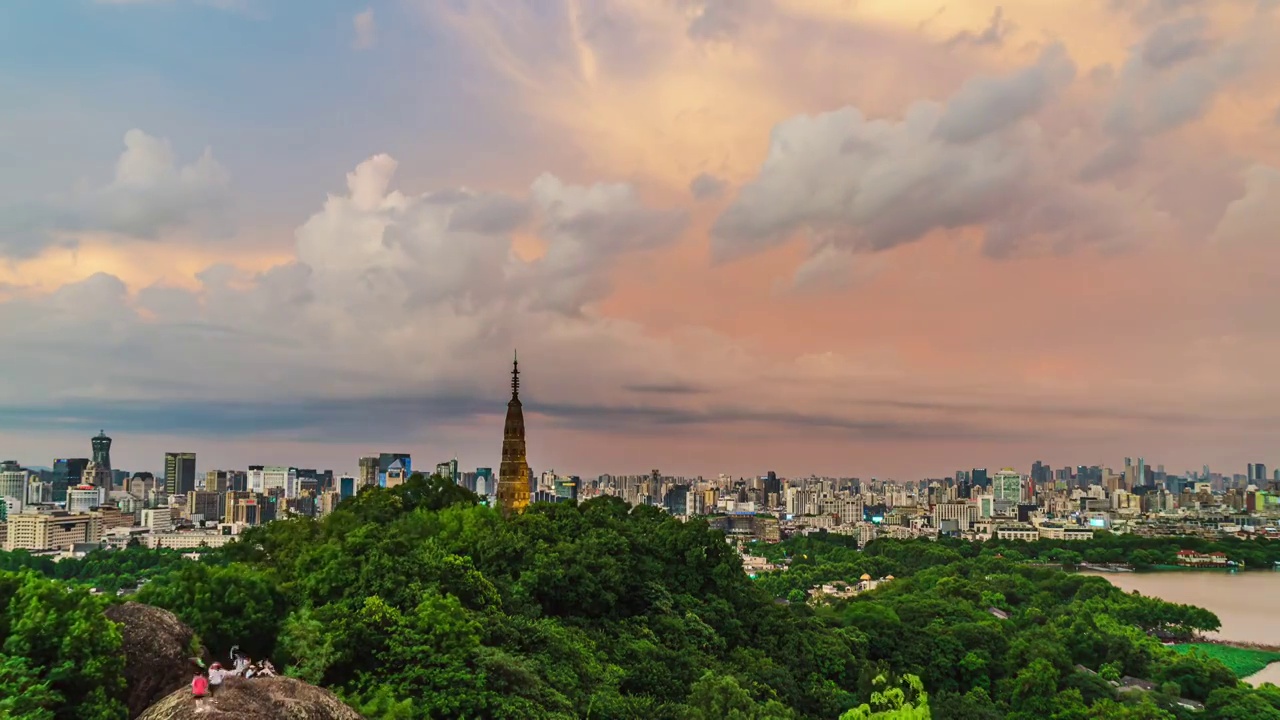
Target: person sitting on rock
{"type": "Point", "coordinates": [216, 674]}
{"type": "Point", "coordinates": [241, 661]}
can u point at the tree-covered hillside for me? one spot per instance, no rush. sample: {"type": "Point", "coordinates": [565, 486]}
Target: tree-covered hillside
{"type": "Point", "coordinates": [416, 602]}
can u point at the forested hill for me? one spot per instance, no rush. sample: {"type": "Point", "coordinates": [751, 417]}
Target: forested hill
{"type": "Point", "coordinates": [416, 602]}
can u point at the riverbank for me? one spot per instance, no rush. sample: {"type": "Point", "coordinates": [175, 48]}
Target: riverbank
{"type": "Point", "coordinates": [1243, 661]}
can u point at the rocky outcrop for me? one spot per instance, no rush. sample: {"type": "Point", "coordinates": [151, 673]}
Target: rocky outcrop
{"type": "Point", "coordinates": [159, 652]}
{"type": "Point", "coordinates": [273, 698]}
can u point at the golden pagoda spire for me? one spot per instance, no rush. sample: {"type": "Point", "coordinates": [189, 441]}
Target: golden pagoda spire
{"type": "Point", "coordinates": [513, 473]}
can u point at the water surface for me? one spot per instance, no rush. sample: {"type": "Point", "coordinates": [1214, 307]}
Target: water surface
{"type": "Point", "coordinates": [1243, 601]}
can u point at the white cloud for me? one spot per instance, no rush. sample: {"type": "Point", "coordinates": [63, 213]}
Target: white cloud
{"type": "Point", "coordinates": [1177, 72]}
{"type": "Point", "coordinates": [987, 104]}
{"type": "Point", "coordinates": [149, 193]}
{"type": "Point", "coordinates": [1254, 218]}
{"type": "Point", "coordinates": [586, 228]}
{"type": "Point", "coordinates": [366, 30]}
{"type": "Point", "coordinates": [387, 291]}
{"type": "Point", "coordinates": [977, 161]}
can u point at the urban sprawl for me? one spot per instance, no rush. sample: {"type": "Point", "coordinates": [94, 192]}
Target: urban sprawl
{"type": "Point", "coordinates": [81, 504]}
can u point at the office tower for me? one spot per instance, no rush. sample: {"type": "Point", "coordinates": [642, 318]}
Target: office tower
{"type": "Point", "coordinates": [13, 482]}
{"type": "Point", "coordinates": [396, 474]}
{"type": "Point", "coordinates": [217, 481]}
{"type": "Point", "coordinates": [449, 469]}
{"type": "Point", "coordinates": [385, 460]}
{"type": "Point", "coordinates": [565, 487]}
{"type": "Point", "coordinates": [102, 452]}
{"type": "Point", "coordinates": [179, 472]}
{"type": "Point", "coordinates": [368, 475]}
{"type": "Point", "coordinates": [67, 472]}
{"type": "Point", "coordinates": [1007, 486]}
{"type": "Point", "coordinates": [514, 475]}
{"type": "Point", "coordinates": [979, 479]}
{"type": "Point", "coordinates": [1040, 474]}
{"type": "Point", "coordinates": [772, 485]}
{"type": "Point", "coordinates": [95, 475]}
{"type": "Point", "coordinates": [346, 486]}
{"type": "Point", "coordinates": [484, 482]}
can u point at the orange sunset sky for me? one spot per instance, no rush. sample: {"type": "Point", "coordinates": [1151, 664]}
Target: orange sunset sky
{"type": "Point", "coordinates": [876, 238]}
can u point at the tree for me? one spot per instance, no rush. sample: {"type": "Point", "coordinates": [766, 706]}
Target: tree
{"type": "Point", "coordinates": [225, 606]}
{"type": "Point", "coordinates": [58, 653]}
{"type": "Point", "coordinates": [23, 694]}
{"type": "Point", "coordinates": [905, 700]}
{"type": "Point", "coordinates": [720, 697]}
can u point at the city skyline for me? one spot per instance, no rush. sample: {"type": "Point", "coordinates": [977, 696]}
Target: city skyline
{"type": "Point", "coordinates": [1255, 470]}
{"type": "Point", "coordinates": [916, 241]}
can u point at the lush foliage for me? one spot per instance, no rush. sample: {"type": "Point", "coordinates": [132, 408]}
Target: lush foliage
{"type": "Point", "coordinates": [1067, 636]}
{"type": "Point", "coordinates": [600, 610]}
{"type": "Point", "coordinates": [1242, 661]}
{"type": "Point", "coordinates": [1141, 552]}
{"type": "Point", "coordinates": [106, 570]}
{"type": "Point", "coordinates": [59, 655]}
{"type": "Point", "coordinates": [416, 602]}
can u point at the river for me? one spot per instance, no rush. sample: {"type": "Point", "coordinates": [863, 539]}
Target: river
{"type": "Point", "coordinates": [1243, 601]}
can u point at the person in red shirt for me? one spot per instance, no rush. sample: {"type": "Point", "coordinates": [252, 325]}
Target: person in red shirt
{"type": "Point", "coordinates": [200, 689]}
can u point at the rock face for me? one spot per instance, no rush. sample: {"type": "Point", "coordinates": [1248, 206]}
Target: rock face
{"type": "Point", "coordinates": [158, 652]}
{"type": "Point", "coordinates": [273, 698]}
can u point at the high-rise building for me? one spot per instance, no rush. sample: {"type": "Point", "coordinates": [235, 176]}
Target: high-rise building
{"type": "Point", "coordinates": [368, 474]}
{"type": "Point", "coordinates": [179, 472]}
{"type": "Point", "coordinates": [208, 504]}
{"type": "Point", "coordinates": [13, 482]}
{"type": "Point", "coordinates": [514, 476]}
{"type": "Point", "coordinates": [346, 486]}
{"type": "Point", "coordinates": [448, 469]}
{"type": "Point", "coordinates": [384, 464]}
{"type": "Point", "coordinates": [269, 479]}
{"type": "Point", "coordinates": [484, 482]}
{"type": "Point", "coordinates": [1007, 486]}
{"type": "Point", "coordinates": [102, 451]}
{"type": "Point", "coordinates": [395, 475]}
{"type": "Point", "coordinates": [67, 472]}
{"type": "Point", "coordinates": [96, 475]}
{"type": "Point", "coordinates": [771, 484]}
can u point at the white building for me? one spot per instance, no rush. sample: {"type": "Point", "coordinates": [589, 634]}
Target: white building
{"type": "Point", "coordinates": [13, 482]}
{"type": "Point", "coordinates": [274, 477]}
{"type": "Point", "coordinates": [963, 513]}
{"type": "Point", "coordinates": [188, 540]}
{"type": "Point", "coordinates": [157, 519]}
{"type": "Point", "coordinates": [1014, 531]}
{"type": "Point", "coordinates": [83, 498]}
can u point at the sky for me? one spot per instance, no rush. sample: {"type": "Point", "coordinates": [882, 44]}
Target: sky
{"type": "Point", "coordinates": [872, 238]}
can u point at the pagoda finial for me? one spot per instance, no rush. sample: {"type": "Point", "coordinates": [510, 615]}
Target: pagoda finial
{"type": "Point", "coordinates": [515, 374]}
